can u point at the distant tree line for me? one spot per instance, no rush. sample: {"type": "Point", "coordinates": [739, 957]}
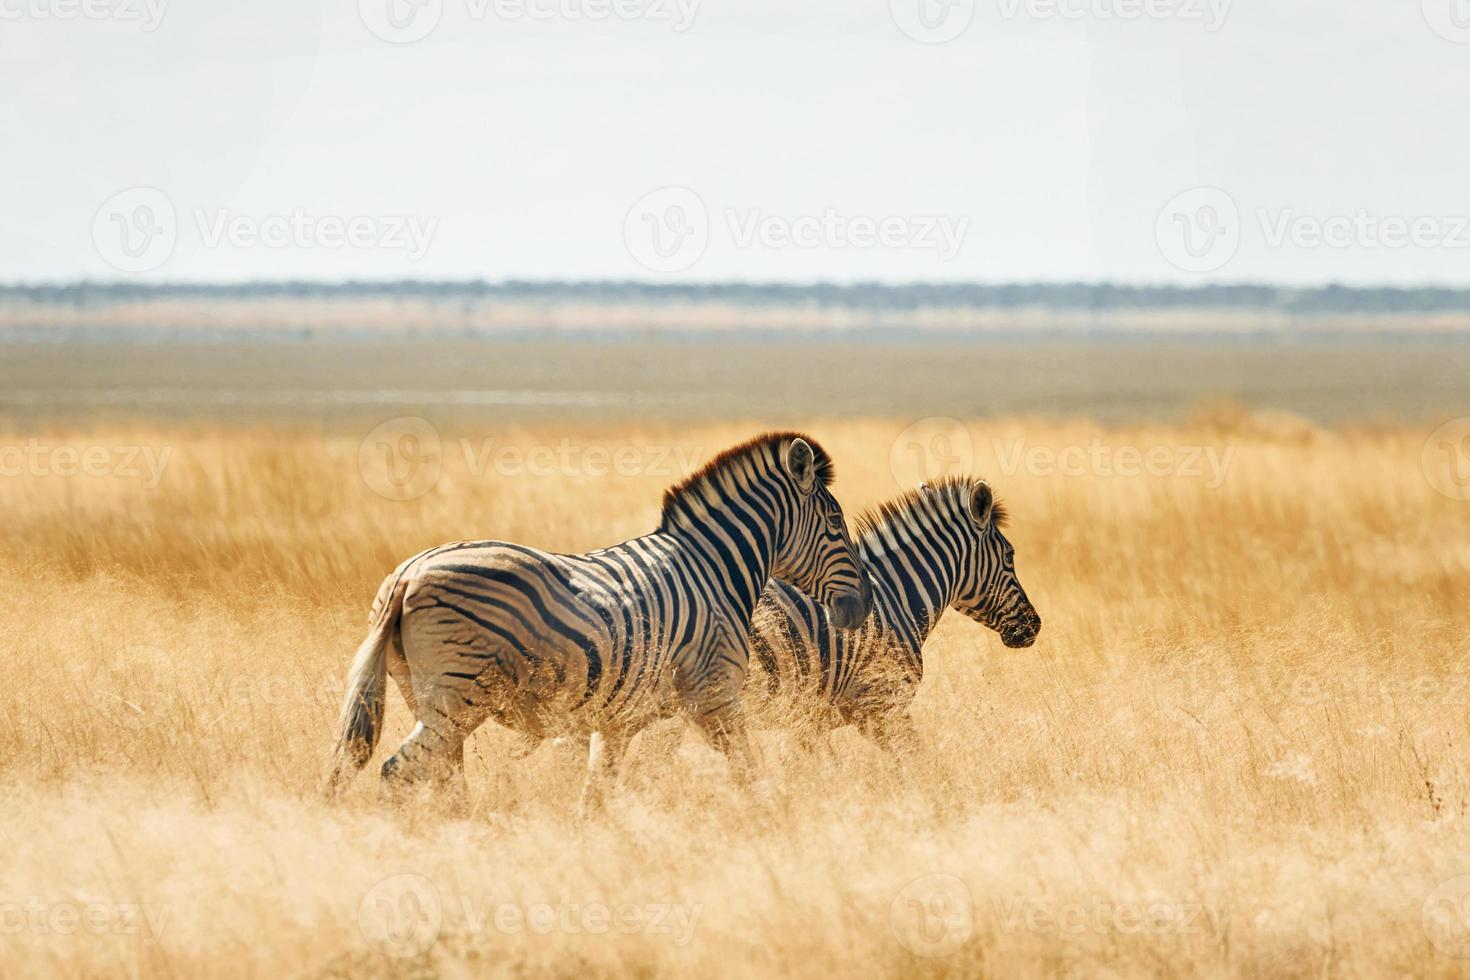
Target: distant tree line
{"type": "Point", "coordinates": [1073, 296]}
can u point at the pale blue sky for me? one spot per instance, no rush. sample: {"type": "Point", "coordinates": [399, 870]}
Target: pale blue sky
{"type": "Point", "coordinates": [516, 147]}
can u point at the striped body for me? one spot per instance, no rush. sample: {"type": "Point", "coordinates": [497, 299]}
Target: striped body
{"type": "Point", "coordinates": [549, 644]}
{"type": "Point", "coordinates": [932, 549]}
{"type": "Point", "coordinates": [603, 642]}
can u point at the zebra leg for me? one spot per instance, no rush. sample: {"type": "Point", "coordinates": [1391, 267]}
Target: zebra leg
{"type": "Point", "coordinates": [448, 780]}
{"type": "Point", "coordinates": [604, 753]}
{"type": "Point", "coordinates": [398, 670]}
{"type": "Point", "coordinates": [891, 731]}
{"type": "Point", "coordinates": [713, 703]}
{"type": "Point", "coordinates": [434, 750]}
{"type": "Point", "coordinates": [727, 732]}
{"type": "Point", "coordinates": [657, 744]}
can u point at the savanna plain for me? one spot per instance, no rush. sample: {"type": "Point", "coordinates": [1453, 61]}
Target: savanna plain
{"type": "Point", "coordinates": [1238, 747]}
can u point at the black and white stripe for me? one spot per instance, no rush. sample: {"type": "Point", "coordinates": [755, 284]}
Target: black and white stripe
{"type": "Point", "coordinates": [600, 644]}
{"type": "Point", "coordinates": [938, 547]}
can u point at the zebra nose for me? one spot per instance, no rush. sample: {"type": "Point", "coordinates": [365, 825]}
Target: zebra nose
{"type": "Point", "coordinates": [1021, 631]}
{"type": "Point", "coordinates": [849, 610]}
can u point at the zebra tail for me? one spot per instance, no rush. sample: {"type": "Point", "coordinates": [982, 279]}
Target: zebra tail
{"type": "Point", "coordinates": [361, 721]}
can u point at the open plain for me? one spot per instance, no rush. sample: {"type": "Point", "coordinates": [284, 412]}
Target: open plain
{"type": "Point", "coordinates": [1237, 748]}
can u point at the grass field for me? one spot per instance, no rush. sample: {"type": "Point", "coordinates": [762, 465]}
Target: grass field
{"type": "Point", "coordinates": [1239, 746]}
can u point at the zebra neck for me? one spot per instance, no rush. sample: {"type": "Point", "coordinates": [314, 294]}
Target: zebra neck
{"type": "Point", "coordinates": [735, 554]}
{"type": "Point", "coordinates": [920, 576]}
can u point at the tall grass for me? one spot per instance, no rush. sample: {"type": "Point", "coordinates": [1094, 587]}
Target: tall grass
{"type": "Point", "coordinates": [1237, 748]}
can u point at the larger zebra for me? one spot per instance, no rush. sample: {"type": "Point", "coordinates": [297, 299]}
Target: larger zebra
{"type": "Point", "coordinates": [602, 643]}
{"type": "Point", "coordinates": [930, 549]}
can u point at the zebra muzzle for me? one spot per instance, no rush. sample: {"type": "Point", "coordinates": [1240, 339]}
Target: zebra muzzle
{"type": "Point", "coordinates": [1022, 630]}
{"type": "Point", "coordinates": [850, 609]}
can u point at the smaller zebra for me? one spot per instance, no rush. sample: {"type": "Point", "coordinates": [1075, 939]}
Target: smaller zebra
{"type": "Point", "coordinates": [926, 551]}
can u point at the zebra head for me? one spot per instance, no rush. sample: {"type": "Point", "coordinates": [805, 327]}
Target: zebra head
{"type": "Point", "coordinates": [816, 553]}
{"type": "Point", "coordinates": [988, 590]}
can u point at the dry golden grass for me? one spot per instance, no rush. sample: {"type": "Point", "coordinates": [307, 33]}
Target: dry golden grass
{"type": "Point", "coordinates": [1238, 747]}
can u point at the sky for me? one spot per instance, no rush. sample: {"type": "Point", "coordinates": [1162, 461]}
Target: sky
{"type": "Point", "coordinates": [1144, 141]}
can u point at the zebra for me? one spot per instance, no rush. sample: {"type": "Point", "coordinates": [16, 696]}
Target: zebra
{"type": "Point", "coordinates": [597, 645]}
{"type": "Point", "coordinates": [927, 550]}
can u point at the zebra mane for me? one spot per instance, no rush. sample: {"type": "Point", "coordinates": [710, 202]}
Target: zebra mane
{"type": "Point", "coordinates": [759, 446]}
{"type": "Point", "coordinates": [929, 496]}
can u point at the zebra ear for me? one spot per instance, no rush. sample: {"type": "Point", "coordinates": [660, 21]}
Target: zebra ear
{"type": "Point", "coordinates": [801, 464]}
{"type": "Point", "coordinates": [982, 501]}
